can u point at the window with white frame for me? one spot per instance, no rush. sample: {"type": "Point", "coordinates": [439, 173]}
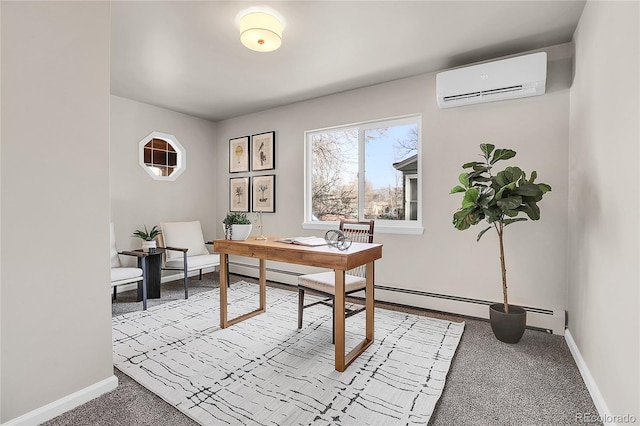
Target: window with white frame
{"type": "Point", "coordinates": [162, 156]}
{"type": "Point", "coordinates": [365, 171]}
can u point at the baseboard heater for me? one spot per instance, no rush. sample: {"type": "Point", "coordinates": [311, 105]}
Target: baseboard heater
{"type": "Point", "coordinates": [552, 321]}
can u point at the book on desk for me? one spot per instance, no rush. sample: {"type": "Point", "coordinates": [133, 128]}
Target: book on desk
{"type": "Point", "coordinates": [305, 241]}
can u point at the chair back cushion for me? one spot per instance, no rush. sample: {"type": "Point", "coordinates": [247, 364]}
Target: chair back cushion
{"type": "Point", "coordinates": [183, 235]}
{"type": "Point", "coordinates": [113, 251]}
{"type": "Point", "coordinates": [358, 232]}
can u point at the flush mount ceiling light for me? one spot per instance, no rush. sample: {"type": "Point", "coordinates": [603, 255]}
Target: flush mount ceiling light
{"type": "Point", "coordinates": [261, 29]}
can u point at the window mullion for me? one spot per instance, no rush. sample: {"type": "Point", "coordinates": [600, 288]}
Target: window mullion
{"type": "Point", "coordinates": [361, 173]}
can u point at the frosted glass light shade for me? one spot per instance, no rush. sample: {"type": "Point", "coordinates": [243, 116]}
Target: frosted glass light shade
{"type": "Point", "coordinates": [260, 31]}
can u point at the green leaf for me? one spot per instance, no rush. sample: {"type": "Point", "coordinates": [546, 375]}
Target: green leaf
{"type": "Point", "coordinates": [533, 199]}
{"type": "Point", "coordinates": [532, 210]}
{"type": "Point", "coordinates": [508, 187]}
{"type": "Point", "coordinates": [482, 233]}
{"type": "Point", "coordinates": [492, 214]}
{"type": "Point", "coordinates": [508, 175]}
{"type": "Point", "coordinates": [487, 148]}
{"type": "Point", "coordinates": [512, 213]}
{"type": "Point", "coordinates": [513, 173]}
{"type": "Point", "coordinates": [470, 198]}
{"type": "Point", "coordinates": [528, 189]}
{"type": "Point", "coordinates": [544, 187]}
{"type": "Point", "coordinates": [463, 219]}
{"type": "Point", "coordinates": [464, 179]}
{"type": "Point", "coordinates": [502, 154]}
{"type": "Point", "coordinates": [456, 189]}
{"type": "Point", "coordinates": [534, 175]}
{"type": "Point", "coordinates": [510, 203]}
{"type": "Point", "coordinates": [146, 234]}
{"type": "Point", "coordinates": [481, 167]}
{"type": "Point", "coordinates": [474, 174]}
{"type": "Point", "coordinates": [471, 164]}
{"type": "Point", "coordinates": [510, 221]}
{"type": "Point", "coordinates": [523, 178]}
{"type": "Point", "coordinates": [486, 196]}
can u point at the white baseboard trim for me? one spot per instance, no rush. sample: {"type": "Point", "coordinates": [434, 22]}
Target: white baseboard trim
{"type": "Point", "coordinates": [589, 381]}
{"type": "Point", "coordinates": [550, 319]}
{"type": "Point", "coordinates": [62, 405]}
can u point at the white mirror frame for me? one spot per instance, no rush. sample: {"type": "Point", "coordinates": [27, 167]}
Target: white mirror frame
{"type": "Point", "coordinates": [180, 151]}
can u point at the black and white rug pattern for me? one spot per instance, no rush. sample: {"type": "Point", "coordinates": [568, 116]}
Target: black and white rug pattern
{"type": "Point", "coordinates": [264, 371]}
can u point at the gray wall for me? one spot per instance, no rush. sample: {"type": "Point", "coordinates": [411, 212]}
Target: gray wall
{"type": "Point", "coordinates": [55, 312]}
{"type": "Point", "coordinates": [442, 260]}
{"type": "Point", "coordinates": [603, 201]}
{"type": "Point", "coordinates": [136, 198]}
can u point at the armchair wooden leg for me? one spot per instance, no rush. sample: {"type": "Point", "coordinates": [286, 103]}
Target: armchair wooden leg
{"type": "Point", "coordinates": [186, 278]}
{"type": "Point", "coordinates": [114, 293]}
{"type": "Point", "coordinates": [300, 306]}
{"type": "Point", "coordinates": [200, 276]}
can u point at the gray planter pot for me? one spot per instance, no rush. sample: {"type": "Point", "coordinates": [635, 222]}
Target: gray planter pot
{"type": "Point", "coordinates": [507, 328]}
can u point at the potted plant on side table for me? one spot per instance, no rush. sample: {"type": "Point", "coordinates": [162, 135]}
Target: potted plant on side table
{"type": "Point", "coordinates": [237, 226]}
{"type": "Point", "coordinates": [499, 199]}
{"type": "Point", "coordinates": [147, 237]}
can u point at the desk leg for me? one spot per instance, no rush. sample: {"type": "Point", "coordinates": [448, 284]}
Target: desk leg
{"type": "Point", "coordinates": [224, 270]}
{"type": "Point", "coordinates": [369, 301]}
{"type": "Point", "coordinates": [224, 276]}
{"type": "Point", "coordinates": [263, 285]}
{"type": "Point", "coordinates": [338, 319]}
{"type": "Point", "coordinates": [342, 360]}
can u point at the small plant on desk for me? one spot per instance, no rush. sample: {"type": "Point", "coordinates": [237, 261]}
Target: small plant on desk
{"type": "Point", "coordinates": [234, 218]}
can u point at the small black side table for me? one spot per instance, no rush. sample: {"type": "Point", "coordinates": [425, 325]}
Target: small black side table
{"type": "Point", "coordinates": [154, 273]}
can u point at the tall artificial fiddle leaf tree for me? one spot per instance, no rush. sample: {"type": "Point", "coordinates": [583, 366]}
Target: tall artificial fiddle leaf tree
{"type": "Point", "coordinates": [499, 198]}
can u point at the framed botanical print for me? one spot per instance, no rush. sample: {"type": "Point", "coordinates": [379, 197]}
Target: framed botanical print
{"type": "Point", "coordinates": [239, 154]}
{"type": "Point", "coordinates": [263, 190]}
{"type": "Point", "coordinates": [263, 147]}
{"type": "Point", "coordinates": [239, 194]}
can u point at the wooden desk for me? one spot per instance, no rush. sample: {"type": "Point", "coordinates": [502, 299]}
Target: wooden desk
{"type": "Point", "coordinates": [323, 257]}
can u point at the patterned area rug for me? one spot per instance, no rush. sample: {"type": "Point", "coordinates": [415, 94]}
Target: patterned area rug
{"type": "Point", "coordinates": [264, 371]}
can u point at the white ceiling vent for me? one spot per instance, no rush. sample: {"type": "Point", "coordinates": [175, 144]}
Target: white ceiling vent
{"type": "Point", "coordinates": [493, 81]}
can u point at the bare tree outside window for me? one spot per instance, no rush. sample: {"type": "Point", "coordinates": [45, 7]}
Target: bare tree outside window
{"type": "Point", "coordinates": [388, 156]}
{"type": "Point", "coordinates": [335, 175]}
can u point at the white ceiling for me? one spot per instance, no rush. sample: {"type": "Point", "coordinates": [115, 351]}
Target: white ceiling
{"type": "Point", "coordinates": [187, 56]}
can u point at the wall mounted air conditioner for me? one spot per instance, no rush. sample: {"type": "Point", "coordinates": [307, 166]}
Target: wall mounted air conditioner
{"type": "Point", "coordinates": [493, 81]}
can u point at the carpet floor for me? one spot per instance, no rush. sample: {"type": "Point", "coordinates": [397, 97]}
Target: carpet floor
{"type": "Point", "coordinates": [535, 382]}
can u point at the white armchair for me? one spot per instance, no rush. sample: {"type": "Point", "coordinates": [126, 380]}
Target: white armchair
{"type": "Point", "coordinates": [185, 249]}
{"type": "Point", "coordinates": [125, 275]}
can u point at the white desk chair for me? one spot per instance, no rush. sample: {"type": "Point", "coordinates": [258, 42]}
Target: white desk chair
{"type": "Point", "coordinates": [323, 283]}
{"type": "Point", "coordinates": [185, 249]}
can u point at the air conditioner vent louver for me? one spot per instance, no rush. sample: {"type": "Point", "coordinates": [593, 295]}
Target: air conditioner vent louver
{"type": "Point", "coordinates": [493, 81]}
